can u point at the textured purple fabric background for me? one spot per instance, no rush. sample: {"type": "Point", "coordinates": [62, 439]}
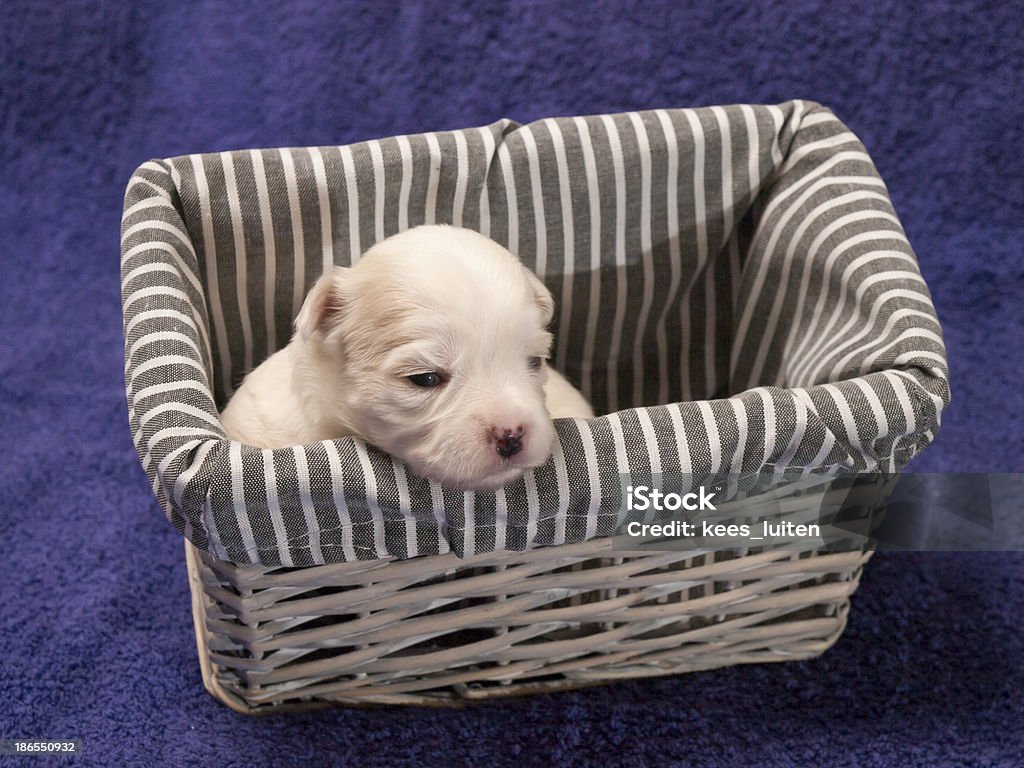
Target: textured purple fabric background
{"type": "Point", "coordinates": [94, 621]}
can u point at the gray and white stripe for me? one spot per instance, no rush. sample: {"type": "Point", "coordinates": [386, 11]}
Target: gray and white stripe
{"type": "Point", "coordinates": [736, 294]}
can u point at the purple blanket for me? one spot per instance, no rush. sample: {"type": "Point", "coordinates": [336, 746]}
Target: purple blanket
{"type": "Point", "coordinates": [95, 623]}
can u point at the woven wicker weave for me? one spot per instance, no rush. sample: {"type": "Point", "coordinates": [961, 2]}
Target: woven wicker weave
{"type": "Point", "coordinates": [440, 630]}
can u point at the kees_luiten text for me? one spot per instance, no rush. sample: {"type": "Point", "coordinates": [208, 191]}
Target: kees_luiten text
{"type": "Point", "coordinates": [642, 498]}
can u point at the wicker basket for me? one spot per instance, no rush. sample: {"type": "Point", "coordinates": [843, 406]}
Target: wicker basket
{"type": "Point", "coordinates": [735, 295]}
{"type": "Point", "coordinates": [444, 630]}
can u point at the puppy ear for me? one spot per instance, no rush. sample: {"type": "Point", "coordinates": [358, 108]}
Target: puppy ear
{"type": "Point", "coordinates": [323, 305]}
{"type": "Point", "coordinates": [545, 301]}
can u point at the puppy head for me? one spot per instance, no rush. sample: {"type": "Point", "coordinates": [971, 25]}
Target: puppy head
{"type": "Point", "coordinates": [437, 339]}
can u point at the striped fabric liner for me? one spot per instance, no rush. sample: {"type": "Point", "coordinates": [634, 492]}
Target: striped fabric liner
{"type": "Point", "coordinates": [734, 291]}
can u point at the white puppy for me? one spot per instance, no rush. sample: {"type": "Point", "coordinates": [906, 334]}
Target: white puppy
{"type": "Point", "coordinates": [433, 348]}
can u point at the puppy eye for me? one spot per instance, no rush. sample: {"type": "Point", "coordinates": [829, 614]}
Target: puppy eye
{"type": "Point", "coordinates": [535, 363]}
{"type": "Point", "coordinates": [427, 380]}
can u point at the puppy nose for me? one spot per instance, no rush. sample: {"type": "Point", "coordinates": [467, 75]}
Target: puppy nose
{"type": "Point", "coordinates": [508, 442]}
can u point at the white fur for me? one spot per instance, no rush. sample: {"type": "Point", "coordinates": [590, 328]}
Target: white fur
{"type": "Point", "coordinates": [431, 299]}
